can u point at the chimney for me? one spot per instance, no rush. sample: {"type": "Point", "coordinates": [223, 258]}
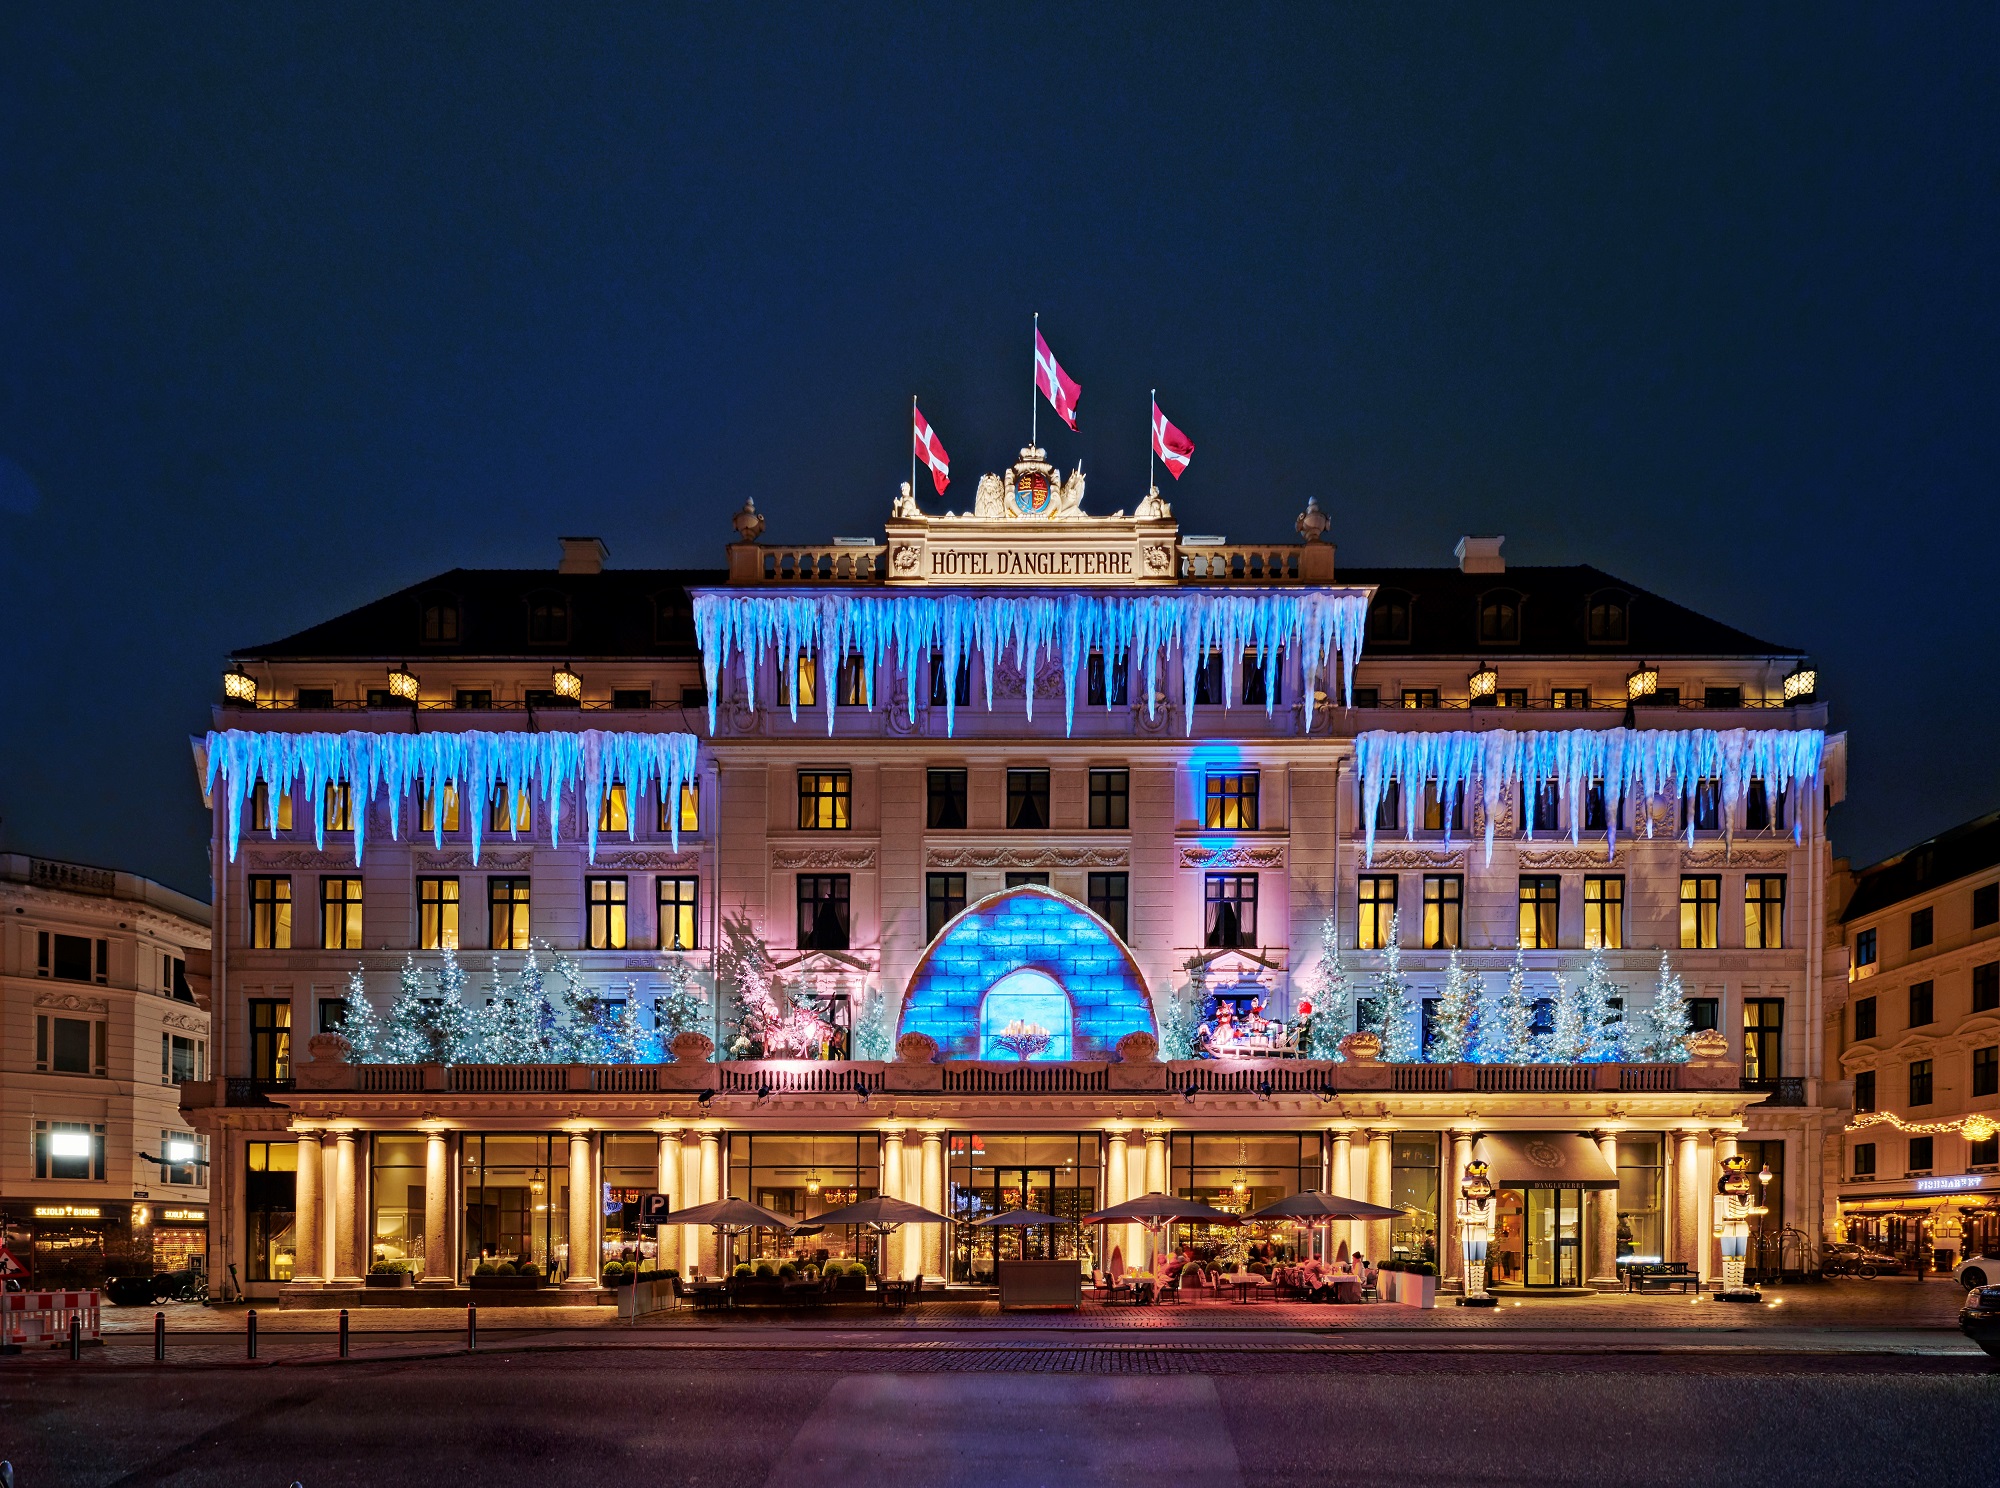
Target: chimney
{"type": "Point", "coordinates": [1480, 555]}
{"type": "Point", "coordinates": [582, 555]}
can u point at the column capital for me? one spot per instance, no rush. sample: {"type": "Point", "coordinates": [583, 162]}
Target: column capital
{"type": "Point", "coordinates": [669, 1129]}
{"type": "Point", "coordinates": [1156, 1133]}
{"type": "Point", "coordinates": [933, 1136]}
{"type": "Point", "coordinates": [1381, 1133]}
{"type": "Point", "coordinates": [894, 1133]}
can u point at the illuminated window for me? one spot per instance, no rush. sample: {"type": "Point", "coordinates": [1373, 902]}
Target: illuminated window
{"type": "Point", "coordinates": [944, 801]}
{"type": "Point", "coordinates": [823, 912]}
{"type": "Point", "coordinates": [1230, 900]}
{"type": "Point", "coordinates": [1376, 898]}
{"type": "Point", "coordinates": [944, 897]}
{"type": "Point", "coordinates": [1420, 697]}
{"type": "Point", "coordinates": [1701, 911]}
{"type": "Point", "coordinates": [614, 812]}
{"type": "Point", "coordinates": [507, 914]}
{"type": "Point", "coordinates": [1110, 799]}
{"type": "Point", "coordinates": [825, 800]}
{"type": "Point", "coordinates": [427, 811]}
{"type": "Point", "coordinates": [1434, 809]}
{"type": "Point", "coordinates": [1541, 903]}
{"type": "Point", "coordinates": [690, 808]}
{"type": "Point", "coordinates": [339, 806]}
{"type": "Point", "coordinates": [1027, 800]}
{"type": "Point", "coordinates": [437, 914]}
{"type": "Point", "coordinates": [1764, 911]}
{"type": "Point", "coordinates": [853, 691]}
{"type": "Point", "coordinates": [1444, 909]}
{"type": "Point", "coordinates": [604, 899]}
{"type": "Point", "coordinates": [679, 900]}
{"type": "Point", "coordinates": [1604, 914]}
{"type": "Point", "coordinates": [270, 1039]}
{"type": "Point", "coordinates": [804, 682]}
{"type": "Point", "coordinates": [340, 914]}
{"type": "Point", "coordinates": [1109, 895]}
{"type": "Point", "coordinates": [69, 1149]}
{"type": "Point", "coordinates": [1231, 804]}
{"type": "Point", "coordinates": [1763, 1039]}
{"type": "Point", "coordinates": [260, 809]}
{"type": "Point", "coordinates": [270, 913]}
{"type": "Point", "coordinates": [523, 814]}
{"type": "Point", "coordinates": [1569, 697]}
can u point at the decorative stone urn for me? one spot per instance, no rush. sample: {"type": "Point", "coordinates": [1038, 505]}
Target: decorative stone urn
{"type": "Point", "coordinates": [690, 1047]}
{"type": "Point", "coordinates": [916, 1048]}
{"type": "Point", "coordinates": [1362, 1048]}
{"type": "Point", "coordinates": [1138, 1047]}
{"type": "Point", "coordinates": [330, 1048]}
{"type": "Point", "coordinates": [1708, 1046]}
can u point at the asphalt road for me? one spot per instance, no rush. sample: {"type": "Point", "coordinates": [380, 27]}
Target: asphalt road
{"type": "Point", "coordinates": [1038, 1415]}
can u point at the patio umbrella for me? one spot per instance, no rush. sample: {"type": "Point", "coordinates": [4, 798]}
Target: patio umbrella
{"type": "Point", "coordinates": [1017, 1219]}
{"type": "Point", "coordinates": [731, 1215]}
{"type": "Point", "coordinates": [881, 1214]}
{"type": "Point", "coordinates": [1314, 1207]}
{"type": "Point", "coordinates": [1156, 1211]}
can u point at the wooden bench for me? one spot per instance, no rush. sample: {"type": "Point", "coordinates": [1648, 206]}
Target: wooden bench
{"type": "Point", "coordinates": [1660, 1276]}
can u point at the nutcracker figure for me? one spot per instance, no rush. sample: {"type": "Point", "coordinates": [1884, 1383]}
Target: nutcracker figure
{"type": "Point", "coordinates": [1475, 1228]}
{"type": "Point", "coordinates": [1732, 1225]}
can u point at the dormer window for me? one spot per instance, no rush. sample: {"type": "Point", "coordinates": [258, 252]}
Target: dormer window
{"type": "Point", "coordinates": [548, 620]}
{"type": "Point", "coordinates": [1500, 618]}
{"type": "Point", "coordinates": [1389, 619]}
{"type": "Point", "coordinates": [673, 621]}
{"type": "Point", "coordinates": [441, 621]}
{"type": "Point", "coordinates": [1607, 618]}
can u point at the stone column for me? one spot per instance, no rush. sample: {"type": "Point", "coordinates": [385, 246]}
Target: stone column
{"type": "Point", "coordinates": [583, 1210]}
{"type": "Point", "coordinates": [933, 1199]}
{"type": "Point", "coordinates": [1157, 1176]}
{"type": "Point", "coordinates": [710, 1142]}
{"type": "Point", "coordinates": [346, 1211]}
{"type": "Point", "coordinates": [1451, 1247]}
{"type": "Point", "coordinates": [892, 1260]}
{"type": "Point", "coordinates": [1341, 1181]}
{"type": "Point", "coordinates": [440, 1267]}
{"type": "Point", "coordinates": [1117, 1181]}
{"type": "Point", "coordinates": [1687, 1199]}
{"type": "Point", "coordinates": [1601, 1265]}
{"type": "Point", "coordinates": [690, 1193]}
{"type": "Point", "coordinates": [329, 1204]}
{"type": "Point", "coordinates": [1379, 1230]}
{"type": "Point", "coordinates": [667, 1175]}
{"type": "Point", "coordinates": [307, 1249]}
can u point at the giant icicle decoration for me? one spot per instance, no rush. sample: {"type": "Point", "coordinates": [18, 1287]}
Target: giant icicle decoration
{"type": "Point", "coordinates": [1641, 764]}
{"type": "Point", "coordinates": [476, 762]}
{"type": "Point", "coordinates": [1315, 626]}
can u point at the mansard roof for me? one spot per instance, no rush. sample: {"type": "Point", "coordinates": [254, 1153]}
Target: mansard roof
{"type": "Point", "coordinates": [645, 612]}
{"type": "Point", "coordinates": [1969, 848]}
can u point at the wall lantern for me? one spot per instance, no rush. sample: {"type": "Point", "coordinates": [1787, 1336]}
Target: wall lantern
{"type": "Point", "coordinates": [1642, 682]}
{"type": "Point", "coordinates": [239, 686]}
{"type": "Point", "coordinates": [1801, 682]}
{"type": "Point", "coordinates": [402, 684]}
{"type": "Point", "coordinates": [1485, 683]}
{"type": "Point", "coordinates": [568, 684]}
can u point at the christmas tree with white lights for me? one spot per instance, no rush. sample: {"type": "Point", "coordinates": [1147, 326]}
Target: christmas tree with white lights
{"type": "Point", "coordinates": [1332, 998]}
{"type": "Point", "coordinates": [358, 1024]}
{"type": "Point", "coordinates": [1666, 1024]}
{"type": "Point", "coordinates": [1402, 1014]}
{"type": "Point", "coordinates": [1603, 1021]}
{"type": "Point", "coordinates": [1455, 1019]}
{"type": "Point", "coordinates": [407, 1039]}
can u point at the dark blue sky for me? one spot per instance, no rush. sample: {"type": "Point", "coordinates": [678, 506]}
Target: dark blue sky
{"type": "Point", "coordinates": [296, 308]}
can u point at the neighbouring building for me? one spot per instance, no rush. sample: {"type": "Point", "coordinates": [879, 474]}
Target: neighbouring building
{"type": "Point", "coordinates": [1000, 863]}
{"type": "Point", "coordinates": [1915, 1002]}
{"type": "Point", "coordinates": [104, 1016]}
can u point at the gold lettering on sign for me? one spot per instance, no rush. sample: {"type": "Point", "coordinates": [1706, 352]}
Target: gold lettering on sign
{"type": "Point", "coordinates": [1038, 563]}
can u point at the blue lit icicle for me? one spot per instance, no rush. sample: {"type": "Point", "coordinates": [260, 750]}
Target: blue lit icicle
{"type": "Point", "coordinates": [1637, 764]}
{"type": "Point", "coordinates": [1314, 626]}
{"type": "Point", "coordinates": [545, 765]}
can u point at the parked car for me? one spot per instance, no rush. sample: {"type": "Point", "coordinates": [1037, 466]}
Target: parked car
{"type": "Point", "coordinates": [1978, 1271]}
{"type": "Point", "coordinates": [1980, 1319]}
{"type": "Point", "coordinates": [1855, 1260]}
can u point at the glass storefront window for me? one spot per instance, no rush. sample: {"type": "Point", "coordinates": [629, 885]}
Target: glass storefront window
{"type": "Point", "coordinates": [398, 1234]}
{"type": "Point", "coordinates": [1767, 1256]}
{"type": "Point", "coordinates": [1056, 1173]}
{"type": "Point", "coordinates": [1413, 1191]}
{"type": "Point", "coordinates": [1269, 1168]}
{"type": "Point", "coordinates": [799, 1177]}
{"type": "Point", "coordinates": [630, 1170]}
{"type": "Point", "coordinates": [1641, 1222]}
{"type": "Point", "coordinates": [1538, 1240]}
{"type": "Point", "coordinates": [270, 1198]}
{"type": "Point", "coordinates": [517, 1201]}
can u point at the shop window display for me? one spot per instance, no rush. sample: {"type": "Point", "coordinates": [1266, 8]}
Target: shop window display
{"type": "Point", "coordinates": [517, 1202]}
{"type": "Point", "coordinates": [799, 1177]}
{"type": "Point", "coordinates": [1056, 1173]}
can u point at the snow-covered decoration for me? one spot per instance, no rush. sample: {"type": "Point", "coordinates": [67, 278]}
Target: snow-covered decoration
{"type": "Point", "coordinates": [1177, 1012]}
{"type": "Point", "coordinates": [407, 1039]}
{"type": "Point", "coordinates": [1327, 1013]}
{"type": "Point", "coordinates": [1569, 1040]}
{"type": "Point", "coordinates": [477, 763]}
{"type": "Point", "coordinates": [1317, 627]}
{"type": "Point", "coordinates": [359, 1024]}
{"type": "Point", "coordinates": [621, 1037]}
{"type": "Point", "coordinates": [454, 1026]}
{"type": "Point", "coordinates": [1603, 1023]}
{"type": "Point", "coordinates": [1402, 1009]}
{"type": "Point", "coordinates": [683, 1009]}
{"type": "Point", "coordinates": [770, 1022]}
{"type": "Point", "coordinates": [507, 1026]}
{"type": "Point", "coordinates": [1507, 1022]}
{"type": "Point", "coordinates": [872, 1027]}
{"type": "Point", "coordinates": [1666, 1026]}
{"type": "Point", "coordinates": [1636, 764]}
{"type": "Point", "coordinates": [1455, 1019]}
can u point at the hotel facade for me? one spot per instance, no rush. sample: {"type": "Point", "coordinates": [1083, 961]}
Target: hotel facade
{"type": "Point", "coordinates": [1002, 863]}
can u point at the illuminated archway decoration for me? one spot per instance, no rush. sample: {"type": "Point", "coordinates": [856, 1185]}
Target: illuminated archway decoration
{"type": "Point", "coordinates": [1029, 929]}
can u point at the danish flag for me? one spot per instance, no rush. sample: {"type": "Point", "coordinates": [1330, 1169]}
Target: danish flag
{"type": "Point", "coordinates": [1174, 448]}
{"type": "Point", "coordinates": [1054, 383]}
{"type": "Point", "coordinates": [930, 450]}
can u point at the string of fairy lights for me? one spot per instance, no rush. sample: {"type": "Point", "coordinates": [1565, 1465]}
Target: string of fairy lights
{"type": "Point", "coordinates": [1974, 1128]}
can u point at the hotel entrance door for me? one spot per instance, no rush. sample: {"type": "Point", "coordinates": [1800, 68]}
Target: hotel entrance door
{"type": "Point", "coordinates": [1539, 1238]}
{"type": "Point", "coordinates": [1023, 1188]}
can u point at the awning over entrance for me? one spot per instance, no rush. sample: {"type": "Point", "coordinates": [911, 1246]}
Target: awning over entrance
{"type": "Point", "coordinates": [1544, 1160]}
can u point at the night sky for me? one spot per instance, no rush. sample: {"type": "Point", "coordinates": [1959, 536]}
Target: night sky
{"type": "Point", "coordinates": [298, 308]}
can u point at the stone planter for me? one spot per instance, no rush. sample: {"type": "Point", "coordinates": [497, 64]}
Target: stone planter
{"type": "Point", "coordinates": [393, 1279]}
{"type": "Point", "coordinates": [1407, 1288]}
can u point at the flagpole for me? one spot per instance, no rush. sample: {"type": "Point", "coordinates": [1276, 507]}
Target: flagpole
{"type": "Point", "coordinates": [1034, 403]}
{"type": "Point", "coordinates": [913, 446]}
{"type": "Point", "coordinates": [1151, 419]}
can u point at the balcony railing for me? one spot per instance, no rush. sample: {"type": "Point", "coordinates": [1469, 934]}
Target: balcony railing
{"type": "Point", "coordinates": [1785, 1090]}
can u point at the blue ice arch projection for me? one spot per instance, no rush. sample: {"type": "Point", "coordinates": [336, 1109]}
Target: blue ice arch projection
{"type": "Point", "coordinates": [1036, 955]}
{"type": "Point", "coordinates": [1641, 764]}
{"type": "Point", "coordinates": [1319, 628]}
{"type": "Point", "coordinates": [542, 766]}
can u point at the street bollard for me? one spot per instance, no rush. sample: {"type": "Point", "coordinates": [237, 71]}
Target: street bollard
{"type": "Point", "coordinates": [251, 1332]}
{"type": "Point", "coordinates": [343, 1332]}
{"type": "Point", "coordinates": [75, 1339]}
{"type": "Point", "coordinates": [159, 1338]}
{"type": "Point", "coordinates": [471, 1327]}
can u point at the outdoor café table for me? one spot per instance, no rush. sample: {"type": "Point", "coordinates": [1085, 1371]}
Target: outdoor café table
{"type": "Point", "coordinates": [1244, 1282]}
{"type": "Point", "coordinates": [1143, 1287]}
{"type": "Point", "coordinates": [1347, 1289]}
{"type": "Point", "coordinates": [895, 1294]}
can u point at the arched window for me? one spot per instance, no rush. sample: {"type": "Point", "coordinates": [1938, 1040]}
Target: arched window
{"type": "Point", "coordinates": [440, 621]}
{"type": "Point", "coordinates": [1500, 618]}
{"type": "Point", "coordinates": [1389, 618]}
{"type": "Point", "coordinates": [1020, 1010]}
{"type": "Point", "coordinates": [548, 619]}
{"type": "Point", "coordinates": [1607, 618]}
